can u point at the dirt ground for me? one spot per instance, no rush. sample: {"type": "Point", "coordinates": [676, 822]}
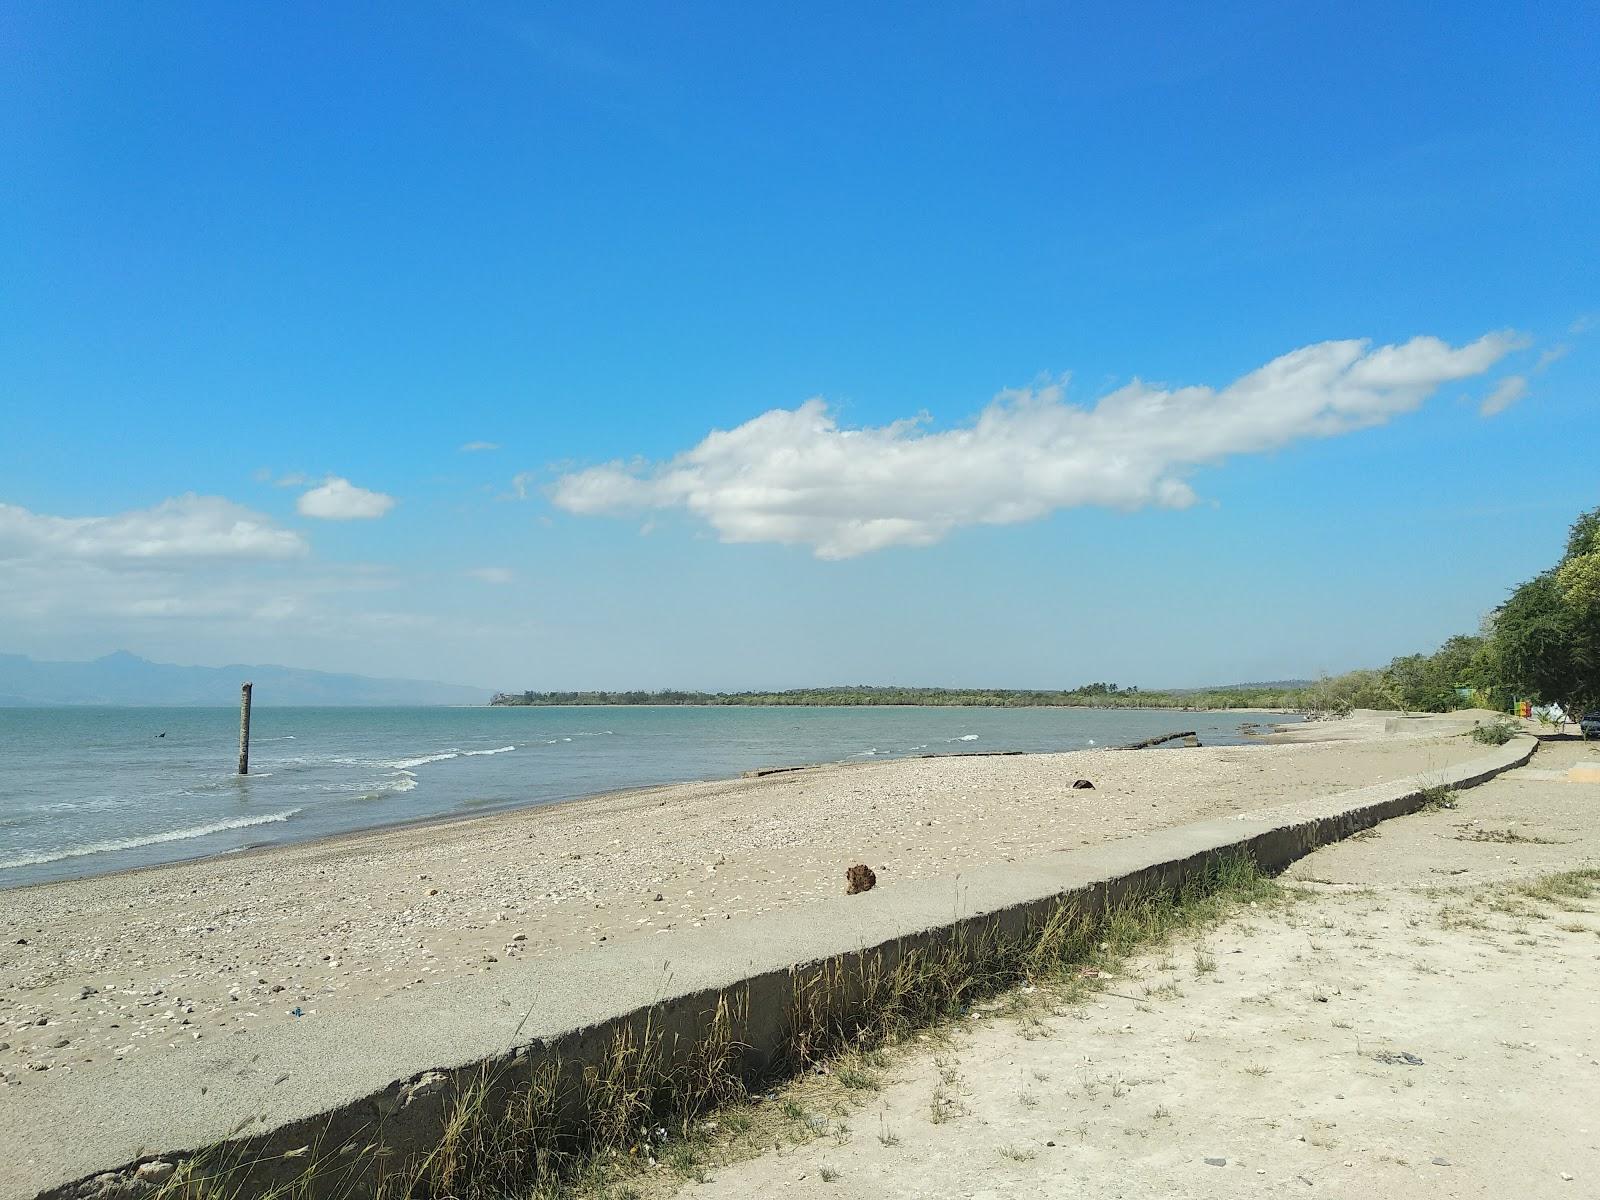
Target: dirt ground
{"type": "Point", "coordinates": [1423, 1020]}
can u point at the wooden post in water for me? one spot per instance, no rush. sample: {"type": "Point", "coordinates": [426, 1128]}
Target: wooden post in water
{"type": "Point", "coordinates": [244, 729]}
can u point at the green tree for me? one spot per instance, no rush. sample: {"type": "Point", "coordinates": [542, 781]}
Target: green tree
{"type": "Point", "coordinates": [1579, 572]}
{"type": "Point", "coordinates": [1546, 638]}
{"type": "Point", "coordinates": [1429, 682]}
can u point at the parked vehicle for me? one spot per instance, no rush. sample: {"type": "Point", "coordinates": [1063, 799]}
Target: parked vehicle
{"type": "Point", "coordinates": [1589, 723]}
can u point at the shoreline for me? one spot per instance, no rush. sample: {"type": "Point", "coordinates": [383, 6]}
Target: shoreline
{"type": "Point", "coordinates": [450, 821]}
{"type": "Point", "coordinates": [333, 840]}
{"type": "Point", "coordinates": [371, 912]}
{"type": "Point", "coordinates": [1191, 708]}
{"type": "Point", "coordinates": [440, 819]}
{"type": "Point", "coordinates": [1357, 727]}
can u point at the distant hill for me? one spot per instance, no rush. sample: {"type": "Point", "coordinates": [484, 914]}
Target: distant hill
{"type": "Point", "coordinates": [124, 678]}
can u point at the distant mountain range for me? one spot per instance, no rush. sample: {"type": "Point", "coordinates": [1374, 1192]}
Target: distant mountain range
{"type": "Point", "coordinates": [124, 678]}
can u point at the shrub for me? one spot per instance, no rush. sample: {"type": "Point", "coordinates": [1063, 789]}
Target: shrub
{"type": "Point", "coordinates": [1438, 797]}
{"type": "Point", "coordinates": [1495, 733]}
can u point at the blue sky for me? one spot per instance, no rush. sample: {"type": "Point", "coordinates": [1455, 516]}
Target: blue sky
{"type": "Point", "coordinates": [266, 271]}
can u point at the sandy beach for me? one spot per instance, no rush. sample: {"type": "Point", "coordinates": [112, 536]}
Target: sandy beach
{"type": "Point", "coordinates": [99, 973]}
{"type": "Point", "coordinates": [1418, 1020]}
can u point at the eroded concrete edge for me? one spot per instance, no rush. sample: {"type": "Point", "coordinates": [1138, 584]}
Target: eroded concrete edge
{"type": "Point", "coordinates": [408, 1114]}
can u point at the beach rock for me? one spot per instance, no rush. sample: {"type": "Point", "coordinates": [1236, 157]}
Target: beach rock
{"type": "Point", "coordinates": [859, 878]}
{"type": "Point", "coordinates": [157, 1171]}
{"type": "Point", "coordinates": [1398, 1058]}
{"type": "Point", "coordinates": [425, 1084]}
{"type": "Point", "coordinates": [1216, 1162]}
{"type": "Point", "coordinates": [1082, 783]}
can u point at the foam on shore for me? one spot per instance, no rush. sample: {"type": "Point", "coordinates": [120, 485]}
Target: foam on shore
{"type": "Point", "coordinates": [152, 839]}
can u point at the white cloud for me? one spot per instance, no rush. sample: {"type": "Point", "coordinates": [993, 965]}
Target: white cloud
{"type": "Point", "coordinates": [795, 477]}
{"type": "Point", "coordinates": [492, 574]}
{"type": "Point", "coordinates": [1555, 354]}
{"type": "Point", "coordinates": [1506, 393]}
{"type": "Point", "coordinates": [340, 500]}
{"type": "Point", "coordinates": [475, 447]}
{"type": "Point", "coordinates": [520, 483]}
{"type": "Point", "coordinates": [199, 578]}
{"type": "Point", "coordinates": [183, 529]}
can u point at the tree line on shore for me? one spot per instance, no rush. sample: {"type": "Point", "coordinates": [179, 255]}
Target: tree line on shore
{"type": "Point", "coordinates": [1093, 695]}
{"type": "Point", "coordinates": [1542, 645]}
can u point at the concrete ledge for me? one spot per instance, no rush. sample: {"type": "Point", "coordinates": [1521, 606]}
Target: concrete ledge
{"type": "Point", "coordinates": [390, 1083]}
{"type": "Point", "coordinates": [1434, 723]}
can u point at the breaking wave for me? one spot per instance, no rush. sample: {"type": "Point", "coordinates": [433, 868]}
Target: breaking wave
{"type": "Point", "coordinates": [150, 839]}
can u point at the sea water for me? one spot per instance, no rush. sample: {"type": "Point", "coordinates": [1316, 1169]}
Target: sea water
{"type": "Point", "coordinates": [89, 790]}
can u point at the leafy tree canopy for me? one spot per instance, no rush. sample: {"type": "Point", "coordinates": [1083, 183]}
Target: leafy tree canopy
{"type": "Point", "coordinates": [1546, 637]}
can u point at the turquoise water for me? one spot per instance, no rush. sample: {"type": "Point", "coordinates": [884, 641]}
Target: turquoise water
{"type": "Point", "coordinates": [90, 790]}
